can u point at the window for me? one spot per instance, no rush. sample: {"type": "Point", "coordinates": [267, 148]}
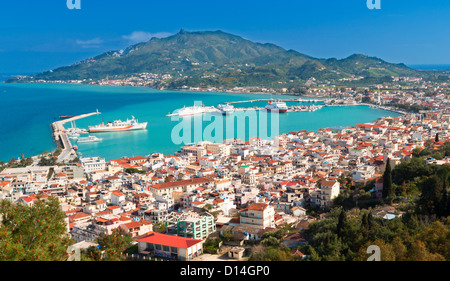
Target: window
{"type": "Point", "coordinates": [158, 247]}
{"type": "Point", "coordinates": [166, 248]}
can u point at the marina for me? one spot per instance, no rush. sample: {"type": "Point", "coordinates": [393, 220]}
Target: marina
{"type": "Point", "coordinates": [61, 136]}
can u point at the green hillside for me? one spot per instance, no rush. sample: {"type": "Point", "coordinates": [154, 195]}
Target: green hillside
{"type": "Point", "coordinates": [226, 60]}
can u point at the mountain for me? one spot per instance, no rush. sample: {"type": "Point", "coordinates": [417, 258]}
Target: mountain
{"type": "Point", "coordinates": [216, 58]}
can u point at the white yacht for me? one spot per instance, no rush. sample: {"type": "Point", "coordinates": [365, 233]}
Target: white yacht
{"type": "Point", "coordinates": [88, 139]}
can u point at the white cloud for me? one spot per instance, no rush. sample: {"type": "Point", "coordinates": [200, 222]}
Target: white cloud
{"type": "Point", "coordinates": [142, 36]}
{"type": "Point", "coordinates": [91, 43]}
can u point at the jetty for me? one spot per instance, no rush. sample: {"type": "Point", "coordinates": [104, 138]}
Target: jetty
{"type": "Point", "coordinates": [61, 138]}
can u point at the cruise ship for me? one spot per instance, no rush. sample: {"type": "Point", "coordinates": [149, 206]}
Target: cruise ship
{"type": "Point", "coordinates": [277, 106]}
{"type": "Point", "coordinates": [119, 126]}
{"type": "Point", "coordinates": [225, 108]}
{"type": "Point", "coordinates": [89, 139]}
{"type": "Point", "coordinates": [190, 110]}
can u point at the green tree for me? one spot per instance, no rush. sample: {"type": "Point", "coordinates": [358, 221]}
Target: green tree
{"type": "Point", "coordinates": [342, 180]}
{"type": "Point", "coordinates": [228, 236]}
{"type": "Point", "coordinates": [159, 227]}
{"type": "Point", "coordinates": [342, 220]}
{"type": "Point", "coordinates": [399, 249]}
{"type": "Point", "coordinates": [44, 161]}
{"type": "Point", "coordinates": [91, 254]}
{"type": "Point", "coordinates": [211, 245]}
{"type": "Point", "coordinates": [319, 183]}
{"type": "Point", "coordinates": [416, 152]}
{"type": "Point", "coordinates": [12, 162]}
{"type": "Point", "coordinates": [134, 171]}
{"type": "Point", "coordinates": [114, 244]}
{"type": "Point", "coordinates": [419, 252]}
{"type": "Point", "coordinates": [387, 180]}
{"type": "Point", "coordinates": [57, 152]}
{"type": "Point", "coordinates": [270, 241]}
{"type": "Point", "coordinates": [263, 253]}
{"type": "Point", "coordinates": [431, 198]}
{"type": "Point", "coordinates": [36, 233]}
{"type": "Point", "coordinates": [437, 239]}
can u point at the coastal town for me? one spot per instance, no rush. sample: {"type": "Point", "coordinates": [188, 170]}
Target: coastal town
{"type": "Point", "coordinates": [238, 191]}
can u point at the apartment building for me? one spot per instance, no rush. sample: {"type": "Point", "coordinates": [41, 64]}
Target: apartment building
{"type": "Point", "coordinates": [258, 215]}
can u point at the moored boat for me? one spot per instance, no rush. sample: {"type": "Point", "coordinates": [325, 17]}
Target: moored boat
{"type": "Point", "coordinates": [225, 108]}
{"type": "Point", "coordinates": [118, 126]}
{"type": "Point", "coordinates": [279, 106]}
{"type": "Point", "coordinates": [89, 139]}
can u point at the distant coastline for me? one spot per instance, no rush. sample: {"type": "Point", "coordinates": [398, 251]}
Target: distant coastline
{"type": "Point", "coordinates": [190, 90]}
{"type": "Point", "coordinates": [438, 67]}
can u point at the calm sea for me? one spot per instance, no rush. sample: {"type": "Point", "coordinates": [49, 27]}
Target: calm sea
{"type": "Point", "coordinates": [28, 110]}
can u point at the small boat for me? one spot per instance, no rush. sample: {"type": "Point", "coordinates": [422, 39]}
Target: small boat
{"type": "Point", "coordinates": [89, 139]}
{"type": "Point", "coordinates": [73, 136]}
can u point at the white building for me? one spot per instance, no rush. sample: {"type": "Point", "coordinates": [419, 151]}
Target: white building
{"type": "Point", "coordinates": [91, 164]}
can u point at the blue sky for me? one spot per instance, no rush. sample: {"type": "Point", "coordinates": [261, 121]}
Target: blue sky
{"type": "Point", "coordinates": [37, 35]}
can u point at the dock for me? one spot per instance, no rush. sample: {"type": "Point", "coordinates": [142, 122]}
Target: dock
{"type": "Point", "coordinates": [62, 139]}
{"type": "Point", "coordinates": [212, 109]}
{"type": "Point", "coordinates": [295, 100]}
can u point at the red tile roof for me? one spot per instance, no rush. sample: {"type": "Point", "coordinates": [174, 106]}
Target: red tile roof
{"type": "Point", "coordinates": [138, 158]}
{"type": "Point", "coordinates": [258, 206]}
{"type": "Point", "coordinates": [169, 240]}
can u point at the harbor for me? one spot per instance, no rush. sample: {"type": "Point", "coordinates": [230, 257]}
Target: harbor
{"type": "Point", "coordinates": [61, 136]}
{"type": "Point", "coordinates": [282, 100]}
{"type": "Point", "coordinates": [278, 105]}
{"type": "Point", "coordinates": [148, 106]}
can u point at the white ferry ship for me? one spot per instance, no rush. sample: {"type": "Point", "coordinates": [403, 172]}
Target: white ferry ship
{"type": "Point", "coordinates": [193, 110]}
{"type": "Point", "coordinates": [190, 110]}
{"type": "Point", "coordinates": [89, 139]}
{"type": "Point", "coordinates": [225, 108]}
{"type": "Point", "coordinates": [118, 126]}
{"type": "Point", "coordinates": [277, 106]}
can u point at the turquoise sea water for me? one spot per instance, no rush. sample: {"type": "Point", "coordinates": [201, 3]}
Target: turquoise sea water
{"type": "Point", "coordinates": [28, 110]}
